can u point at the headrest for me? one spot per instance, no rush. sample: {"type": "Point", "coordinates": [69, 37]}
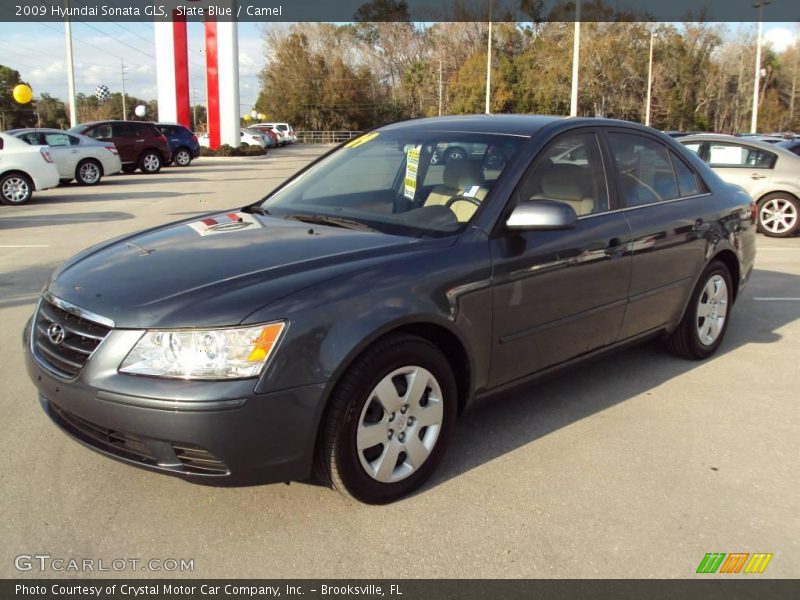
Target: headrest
{"type": "Point", "coordinates": [461, 173]}
{"type": "Point", "coordinates": [564, 184]}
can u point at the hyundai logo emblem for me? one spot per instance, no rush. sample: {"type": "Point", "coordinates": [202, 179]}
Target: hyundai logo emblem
{"type": "Point", "coordinates": [55, 333]}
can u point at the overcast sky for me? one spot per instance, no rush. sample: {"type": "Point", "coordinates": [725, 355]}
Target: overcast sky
{"type": "Point", "coordinates": [36, 50]}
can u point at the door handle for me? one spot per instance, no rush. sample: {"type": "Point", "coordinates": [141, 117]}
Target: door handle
{"type": "Point", "coordinates": [615, 248]}
{"type": "Point", "coordinates": [139, 140]}
{"type": "Point", "coordinates": [757, 176]}
{"type": "Point", "coordinates": [74, 151]}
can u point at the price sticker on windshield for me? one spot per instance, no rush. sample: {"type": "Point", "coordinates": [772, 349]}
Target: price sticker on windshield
{"type": "Point", "coordinates": [412, 169]}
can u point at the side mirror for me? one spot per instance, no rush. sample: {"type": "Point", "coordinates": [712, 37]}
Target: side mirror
{"type": "Point", "coordinates": [542, 215]}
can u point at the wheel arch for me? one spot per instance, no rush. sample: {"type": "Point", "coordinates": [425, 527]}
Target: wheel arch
{"type": "Point", "coordinates": [20, 172]}
{"type": "Point", "coordinates": [773, 192]}
{"type": "Point", "coordinates": [728, 257]}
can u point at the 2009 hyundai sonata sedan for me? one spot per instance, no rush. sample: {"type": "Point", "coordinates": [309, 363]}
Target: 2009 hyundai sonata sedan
{"type": "Point", "coordinates": [341, 324]}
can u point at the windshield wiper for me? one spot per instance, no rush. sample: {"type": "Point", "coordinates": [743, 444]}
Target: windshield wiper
{"type": "Point", "coordinates": [332, 221]}
{"type": "Point", "coordinates": [256, 210]}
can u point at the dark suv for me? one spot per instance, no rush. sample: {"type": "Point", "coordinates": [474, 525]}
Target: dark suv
{"type": "Point", "coordinates": [140, 145]}
{"type": "Point", "coordinates": [182, 142]}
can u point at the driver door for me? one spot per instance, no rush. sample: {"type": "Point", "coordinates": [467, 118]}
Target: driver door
{"type": "Point", "coordinates": [560, 294]}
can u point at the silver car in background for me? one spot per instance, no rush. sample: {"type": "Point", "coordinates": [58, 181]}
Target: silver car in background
{"type": "Point", "coordinates": [769, 173]}
{"type": "Point", "coordinates": [76, 156]}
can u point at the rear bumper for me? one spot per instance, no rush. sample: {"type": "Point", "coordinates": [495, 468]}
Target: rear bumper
{"type": "Point", "coordinates": [49, 178]}
{"type": "Point", "coordinates": [224, 438]}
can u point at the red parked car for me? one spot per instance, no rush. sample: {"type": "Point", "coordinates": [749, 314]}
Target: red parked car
{"type": "Point", "coordinates": [140, 145]}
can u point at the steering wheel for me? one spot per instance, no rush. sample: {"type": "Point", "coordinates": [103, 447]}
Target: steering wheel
{"type": "Point", "coordinates": [469, 199]}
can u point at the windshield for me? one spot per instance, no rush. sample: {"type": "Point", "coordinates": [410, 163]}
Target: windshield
{"type": "Point", "coordinates": [404, 182]}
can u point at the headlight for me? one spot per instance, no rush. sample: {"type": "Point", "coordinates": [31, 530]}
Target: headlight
{"type": "Point", "coordinates": [233, 353]}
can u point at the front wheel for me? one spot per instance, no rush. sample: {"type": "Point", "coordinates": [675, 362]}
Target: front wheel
{"type": "Point", "coordinates": [15, 188]}
{"type": "Point", "coordinates": [150, 162]}
{"type": "Point", "coordinates": [706, 319]}
{"type": "Point", "coordinates": [389, 422]}
{"type": "Point", "coordinates": [779, 215]}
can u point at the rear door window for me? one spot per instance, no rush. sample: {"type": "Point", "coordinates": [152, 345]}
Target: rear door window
{"type": "Point", "coordinates": [734, 155]}
{"type": "Point", "coordinates": [100, 132]}
{"type": "Point", "coordinates": [643, 167]}
{"type": "Point", "coordinates": [57, 139]}
{"type": "Point", "coordinates": [688, 181]}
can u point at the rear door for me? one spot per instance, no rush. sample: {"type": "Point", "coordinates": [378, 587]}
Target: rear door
{"type": "Point", "coordinates": [129, 144]}
{"type": "Point", "coordinates": [744, 165]}
{"type": "Point", "coordinates": [559, 294]}
{"type": "Point", "coordinates": [663, 201]}
{"type": "Point", "coordinates": [65, 154]}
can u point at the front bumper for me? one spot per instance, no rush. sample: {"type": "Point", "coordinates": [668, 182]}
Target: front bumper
{"type": "Point", "coordinates": [208, 432]}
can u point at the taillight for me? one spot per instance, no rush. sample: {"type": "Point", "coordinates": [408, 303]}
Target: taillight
{"type": "Point", "coordinates": [112, 149]}
{"type": "Point", "coordinates": [46, 155]}
{"type": "Point", "coordinates": [753, 212]}
{"type": "Point", "coordinates": [162, 138]}
{"type": "Point", "coordinates": [194, 138]}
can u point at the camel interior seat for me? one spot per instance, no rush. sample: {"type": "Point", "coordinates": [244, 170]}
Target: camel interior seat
{"type": "Point", "coordinates": [568, 183]}
{"type": "Point", "coordinates": [464, 185]}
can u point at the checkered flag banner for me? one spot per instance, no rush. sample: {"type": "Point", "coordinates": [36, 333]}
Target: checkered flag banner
{"type": "Point", "coordinates": [102, 92]}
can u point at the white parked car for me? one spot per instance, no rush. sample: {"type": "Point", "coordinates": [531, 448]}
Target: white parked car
{"type": "Point", "coordinates": [76, 156]}
{"type": "Point", "coordinates": [23, 169]}
{"type": "Point", "coordinates": [253, 138]}
{"type": "Point", "coordinates": [769, 173]}
{"type": "Point", "coordinates": [284, 132]}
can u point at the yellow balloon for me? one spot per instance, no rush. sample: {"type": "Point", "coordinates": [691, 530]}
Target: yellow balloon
{"type": "Point", "coordinates": [246, 117]}
{"type": "Point", "coordinates": [23, 94]}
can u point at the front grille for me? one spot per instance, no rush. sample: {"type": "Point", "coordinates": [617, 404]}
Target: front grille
{"type": "Point", "coordinates": [81, 337]}
{"type": "Point", "coordinates": [173, 456]}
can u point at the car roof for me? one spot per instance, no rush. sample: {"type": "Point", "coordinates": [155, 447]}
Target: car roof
{"type": "Point", "coordinates": [743, 141]}
{"type": "Point", "coordinates": [519, 125]}
{"type": "Point", "coordinates": [39, 130]}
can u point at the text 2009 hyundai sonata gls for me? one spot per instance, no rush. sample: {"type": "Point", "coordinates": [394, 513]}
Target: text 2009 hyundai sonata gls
{"type": "Point", "coordinates": [344, 321]}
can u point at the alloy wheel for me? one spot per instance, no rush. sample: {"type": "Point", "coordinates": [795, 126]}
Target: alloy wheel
{"type": "Point", "coordinates": [151, 163]}
{"type": "Point", "coordinates": [778, 215]}
{"type": "Point", "coordinates": [16, 190]}
{"type": "Point", "coordinates": [183, 158]}
{"type": "Point", "coordinates": [89, 173]}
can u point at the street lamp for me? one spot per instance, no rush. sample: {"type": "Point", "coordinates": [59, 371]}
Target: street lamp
{"type": "Point", "coordinates": [759, 4]}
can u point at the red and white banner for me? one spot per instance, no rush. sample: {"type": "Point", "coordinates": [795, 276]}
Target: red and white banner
{"type": "Point", "coordinates": [172, 71]}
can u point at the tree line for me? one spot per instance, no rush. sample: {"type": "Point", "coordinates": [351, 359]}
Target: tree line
{"type": "Point", "coordinates": [323, 76]}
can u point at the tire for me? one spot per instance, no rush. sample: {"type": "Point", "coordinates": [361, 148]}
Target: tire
{"type": "Point", "coordinates": [182, 157]}
{"type": "Point", "coordinates": [88, 172]}
{"type": "Point", "coordinates": [150, 162]}
{"type": "Point", "coordinates": [698, 336]}
{"type": "Point", "coordinates": [398, 425]}
{"type": "Point", "coordinates": [15, 189]}
{"type": "Point", "coordinates": [779, 215]}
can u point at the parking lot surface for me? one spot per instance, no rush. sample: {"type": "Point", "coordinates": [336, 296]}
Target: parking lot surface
{"type": "Point", "coordinates": [634, 465]}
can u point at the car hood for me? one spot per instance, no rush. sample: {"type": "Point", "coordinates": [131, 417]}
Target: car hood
{"type": "Point", "coordinates": [216, 270]}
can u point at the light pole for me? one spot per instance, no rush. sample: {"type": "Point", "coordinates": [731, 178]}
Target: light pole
{"type": "Point", "coordinates": [73, 111]}
{"type": "Point", "coordinates": [576, 51]}
{"type": "Point", "coordinates": [489, 63]}
{"type": "Point", "coordinates": [649, 80]}
{"type": "Point", "coordinates": [759, 4]}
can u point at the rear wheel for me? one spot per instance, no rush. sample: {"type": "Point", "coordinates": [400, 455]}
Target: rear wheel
{"type": "Point", "coordinates": [779, 215]}
{"type": "Point", "coordinates": [15, 188]}
{"type": "Point", "coordinates": [390, 420]}
{"type": "Point", "coordinates": [706, 320]}
{"type": "Point", "coordinates": [182, 158]}
{"type": "Point", "coordinates": [88, 172]}
{"type": "Point", "coordinates": [150, 162]}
